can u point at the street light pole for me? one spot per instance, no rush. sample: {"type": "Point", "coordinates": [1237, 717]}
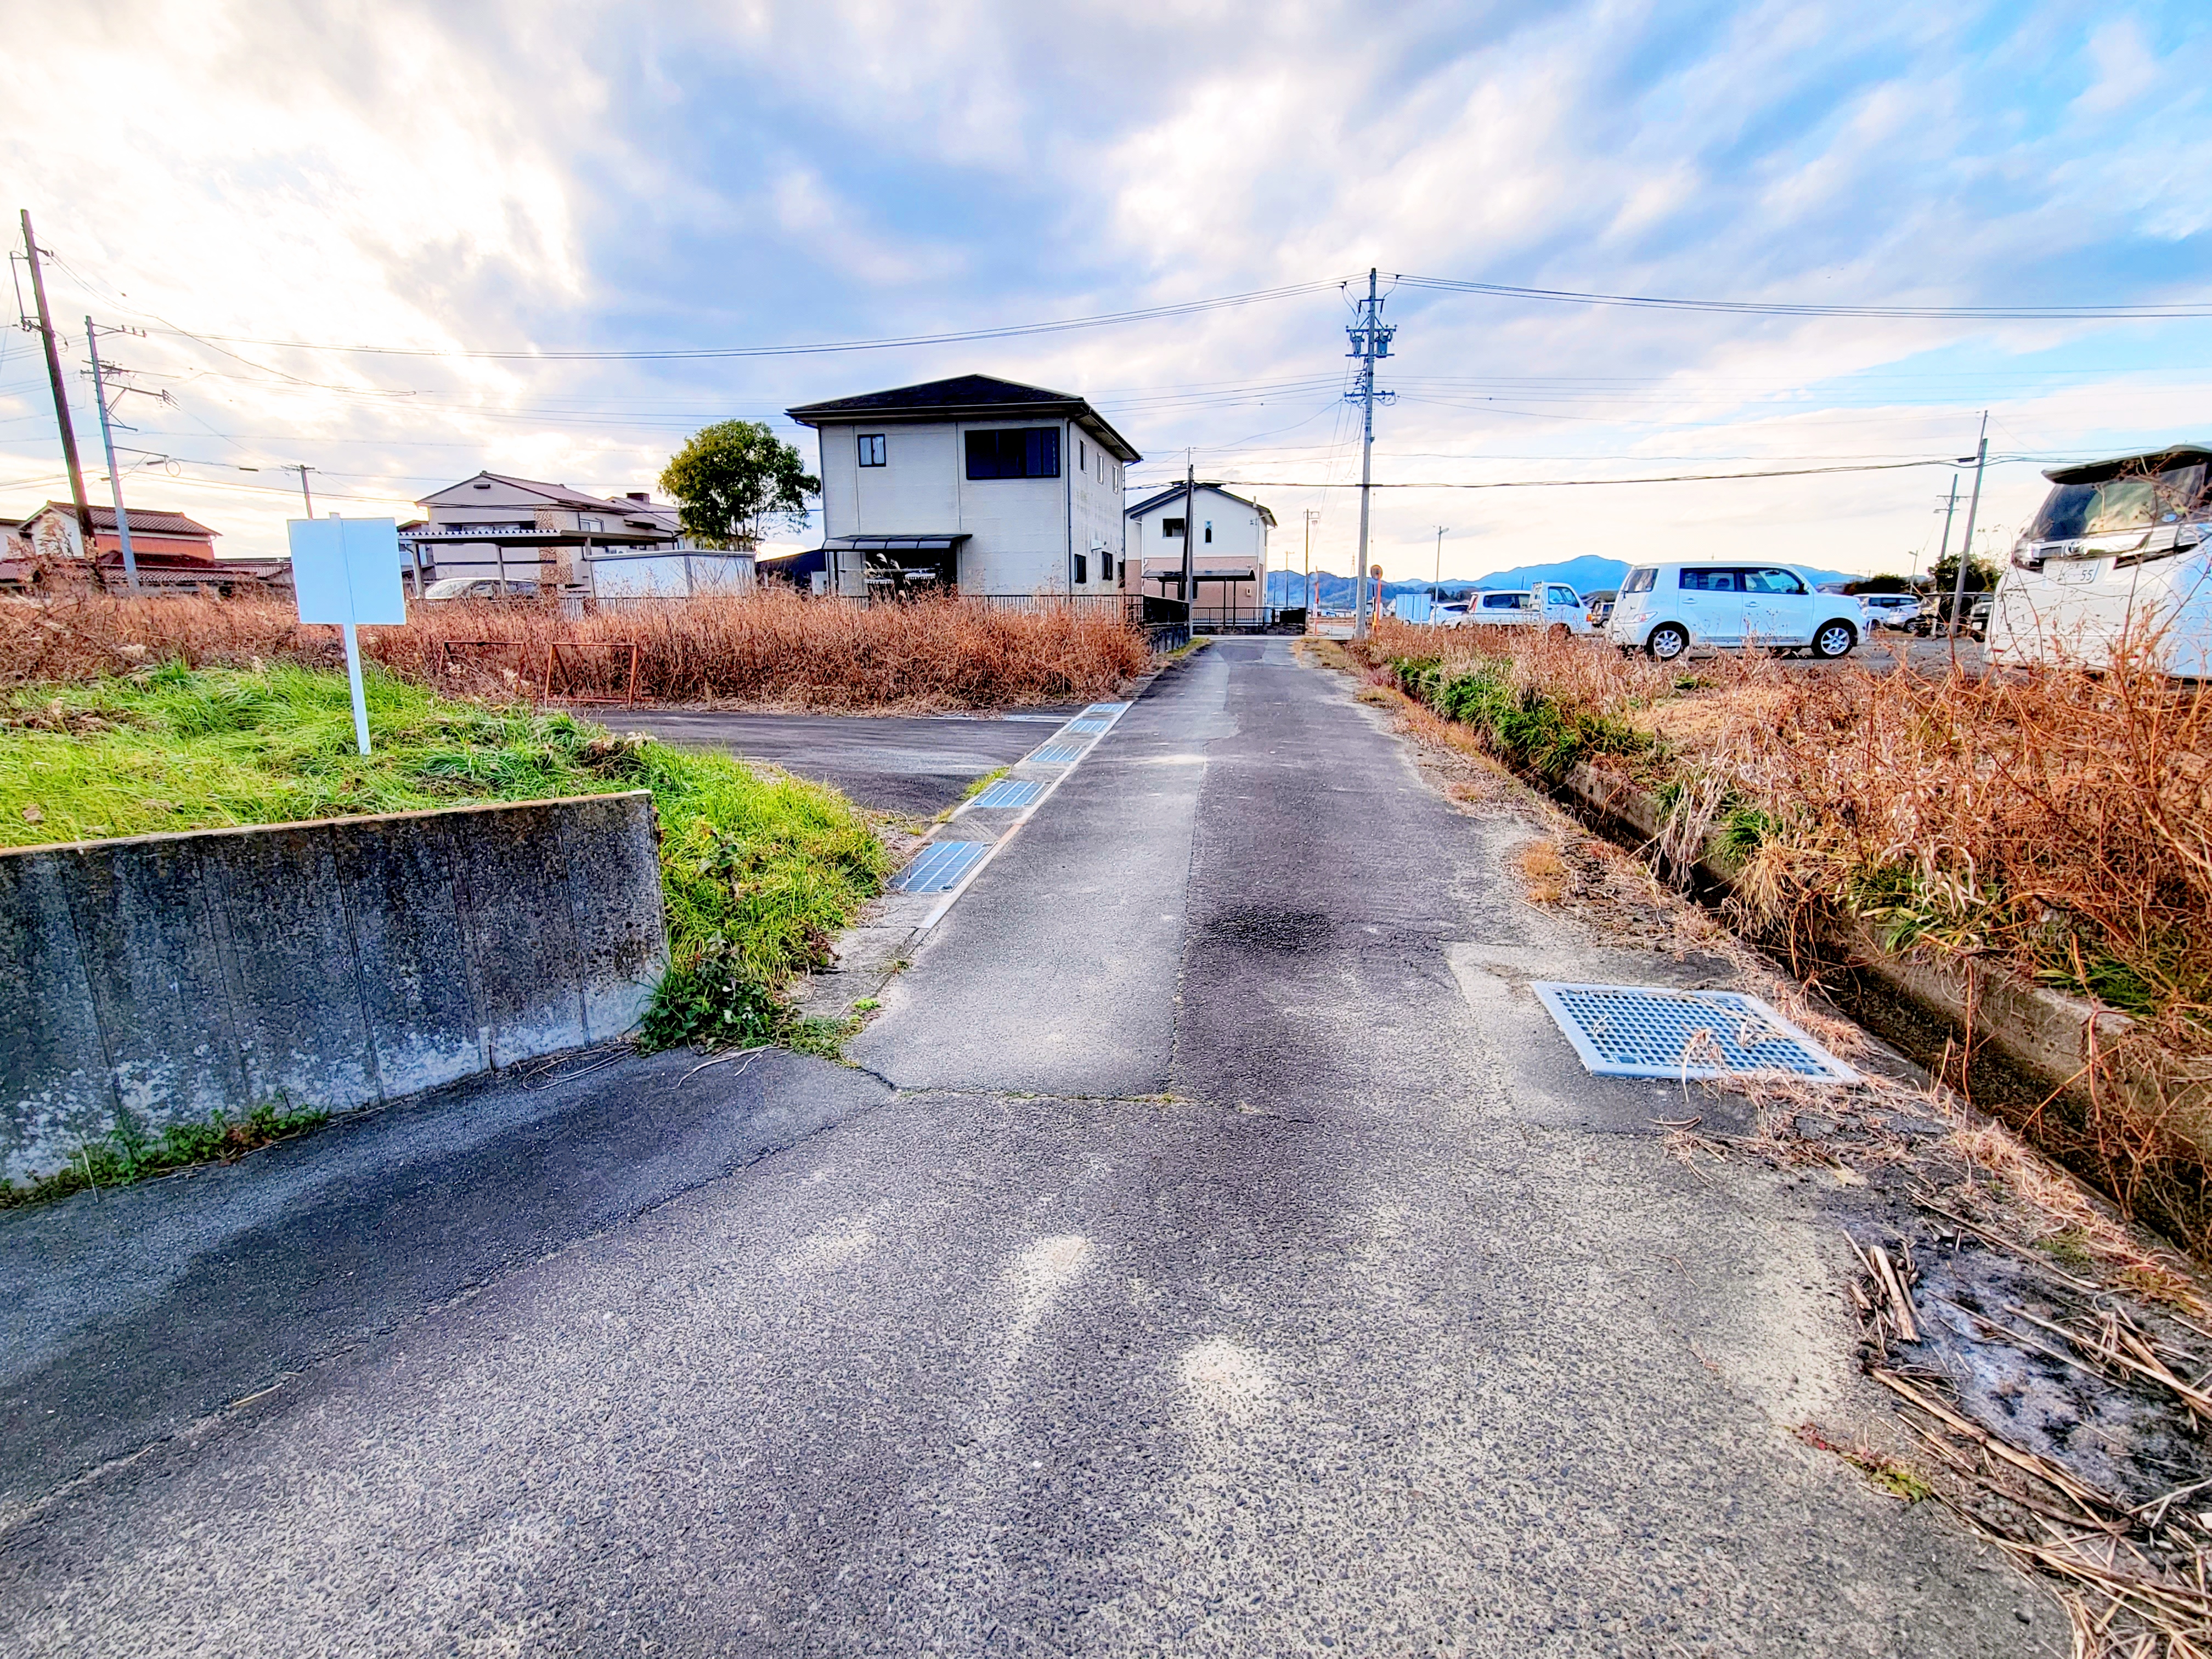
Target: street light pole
{"type": "Point", "coordinates": [1967, 544]}
{"type": "Point", "coordinates": [114, 474]}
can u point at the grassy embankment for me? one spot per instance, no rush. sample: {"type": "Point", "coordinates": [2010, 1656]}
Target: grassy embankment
{"type": "Point", "coordinates": [757, 873]}
{"type": "Point", "coordinates": [2058, 824]}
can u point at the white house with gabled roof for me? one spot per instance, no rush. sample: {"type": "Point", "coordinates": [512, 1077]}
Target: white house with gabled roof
{"type": "Point", "coordinates": [1229, 550]}
{"type": "Point", "coordinates": [975, 482]}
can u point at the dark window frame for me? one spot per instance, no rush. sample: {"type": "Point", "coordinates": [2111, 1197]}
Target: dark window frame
{"type": "Point", "coordinates": [1013, 451]}
{"type": "Point", "coordinates": [1172, 529]}
{"type": "Point", "coordinates": [874, 448]}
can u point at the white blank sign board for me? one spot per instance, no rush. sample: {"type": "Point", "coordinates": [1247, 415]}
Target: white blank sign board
{"type": "Point", "coordinates": [347, 570]}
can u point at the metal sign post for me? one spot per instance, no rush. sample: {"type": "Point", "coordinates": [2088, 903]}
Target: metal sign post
{"type": "Point", "coordinates": [346, 571]}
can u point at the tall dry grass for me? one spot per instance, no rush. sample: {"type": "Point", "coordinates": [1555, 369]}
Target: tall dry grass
{"type": "Point", "coordinates": [2058, 820]}
{"type": "Point", "coordinates": [2056, 824]}
{"type": "Point", "coordinates": [775, 648]}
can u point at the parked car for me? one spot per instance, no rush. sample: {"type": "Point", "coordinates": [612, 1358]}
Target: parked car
{"type": "Point", "coordinates": [2119, 548]}
{"type": "Point", "coordinates": [477, 587]}
{"type": "Point", "coordinates": [1890, 610]}
{"type": "Point", "coordinates": [1664, 610]}
{"type": "Point", "coordinates": [1599, 606]}
{"type": "Point", "coordinates": [1553, 605]}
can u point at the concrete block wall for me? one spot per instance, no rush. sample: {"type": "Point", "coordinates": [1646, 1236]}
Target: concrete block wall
{"type": "Point", "coordinates": [333, 964]}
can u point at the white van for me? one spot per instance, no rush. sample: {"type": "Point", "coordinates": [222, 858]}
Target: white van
{"type": "Point", "coordinates": [1552, 605]}
{"type": "Point", "coordinates": [2119, 546]}
{"type": "Point", "coordinates": [1666, 609]}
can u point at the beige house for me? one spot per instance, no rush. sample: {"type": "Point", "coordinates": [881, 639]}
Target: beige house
{"type": "Point", "coordinates": [1229, 552]}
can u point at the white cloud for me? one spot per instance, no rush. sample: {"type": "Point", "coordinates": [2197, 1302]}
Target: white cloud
{"type": "Point", "coordinates": [575, 175]}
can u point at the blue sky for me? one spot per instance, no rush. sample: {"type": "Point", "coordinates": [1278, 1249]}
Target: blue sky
{"type": "Point", "coordinates": [576, 177]}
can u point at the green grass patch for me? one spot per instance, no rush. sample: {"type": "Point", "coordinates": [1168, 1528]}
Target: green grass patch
{"type": "Point", "coordinates": [983, 783]}
{"type": "Point", "coordinates": [1520, 724]}
{"type": "Point", "coordinates": [129, 1152]}
{"type": "Point", "coordinates": [758, 872]}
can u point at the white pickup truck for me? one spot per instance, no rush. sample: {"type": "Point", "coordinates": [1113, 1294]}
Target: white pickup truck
{"type": "Point", "coordinates": [1551, 605]}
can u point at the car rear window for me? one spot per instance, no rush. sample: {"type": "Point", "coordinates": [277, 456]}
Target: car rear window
{"type": "Point", "coordinates": [1502, 601]}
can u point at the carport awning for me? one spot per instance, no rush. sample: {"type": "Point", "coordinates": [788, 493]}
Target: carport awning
{"type": "Point", "coordinates": [944, 543]}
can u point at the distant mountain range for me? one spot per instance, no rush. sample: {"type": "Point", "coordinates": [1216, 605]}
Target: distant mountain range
{"type": "Point", "coordinates": [1587, 573]}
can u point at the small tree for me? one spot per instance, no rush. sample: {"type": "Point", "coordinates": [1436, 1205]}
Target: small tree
{"type": "Point", "coordinates": [731, 479]}
{"type": "Point", "coordinates": [1882, 584]}
{"type": "Point", "coordinates": [1981, 575]}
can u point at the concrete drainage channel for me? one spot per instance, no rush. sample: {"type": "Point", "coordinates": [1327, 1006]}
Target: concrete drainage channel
{"type": "Point", "coordinates": [948, 863]}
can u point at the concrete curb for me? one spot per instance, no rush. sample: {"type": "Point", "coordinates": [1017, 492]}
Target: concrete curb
{"type": "Point", "coordinates": [863, 958]}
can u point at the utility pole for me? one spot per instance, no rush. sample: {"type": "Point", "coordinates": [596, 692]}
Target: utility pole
{"type": "Point", "coordinates": [1311, 514]}
{"type": "Point", "coordinates": [114, 472]}
{"type": "Point", "coordinates": [1949, 508]}
{"type": "Point", "coordinates": [1370, 340]}
{"type": "Point", "coordinates": [1189, 562]}
{"type": "Point", "coordinates": [303, 470]}
{"type": "Point", "coordinates": [1436, 588]}
{"type": "Point", "coordinates": [1981, 458]}
{"type": "Point", "coordinates": [45, 328]}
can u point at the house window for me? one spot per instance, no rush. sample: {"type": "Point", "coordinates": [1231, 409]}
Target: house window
{"type": "Point", "coordinates": [1082, 569]}
{"type": "Point", "coordinates": [871, 450]}
{"type": "Point", "coordinates": [1105, 566]}
{"type": "Point", "coordinates": [1081, 456]}
{"type": "Point", "coordinates": [1171, 527]}
{"type": "Point", "coordinates": [1209, 530]}
{"type": "Point", "coordinates": [1022, 452]}
{"type": "Point", "coordinates": [591, 524]}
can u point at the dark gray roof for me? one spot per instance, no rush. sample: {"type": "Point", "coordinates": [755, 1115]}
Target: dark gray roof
{"type": "Point", "coordinates": [976, 395]}
{"type": "Point", "coordinates": [1171, 493]}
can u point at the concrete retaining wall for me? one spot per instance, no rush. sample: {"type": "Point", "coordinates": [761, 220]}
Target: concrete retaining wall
{"type": "Point", "coordinates": [331, 964]}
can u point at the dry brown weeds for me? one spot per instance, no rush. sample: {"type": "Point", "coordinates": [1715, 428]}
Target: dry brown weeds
{"type": "Point", "coordinates": [772, 648]}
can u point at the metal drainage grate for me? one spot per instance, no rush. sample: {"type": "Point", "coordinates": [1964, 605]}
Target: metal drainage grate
{"type": "Point", "coordinates": [1642, 1030]}
{"type": "Point", "coordinates": [1010, 792]}
{"type": "Point", "coordinates": [1088, 726]}
{"type": "Point", "coordinates": [1059, 754]}
{"type": "Point", "coordinates": [940, 867]}
{"type": "Point", "coordinates": [1105, 709]}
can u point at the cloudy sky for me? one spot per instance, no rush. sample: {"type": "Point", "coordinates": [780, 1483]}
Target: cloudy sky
{"type": "Point", "coordinates": [258, 185]}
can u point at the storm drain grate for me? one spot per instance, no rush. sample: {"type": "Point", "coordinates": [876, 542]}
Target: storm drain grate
{"type": "Point", "coordinates": [1010, 792]}
{"type": "Point", "coordinates": [1098, 709]}
{"type": "Point", "coordinates": [1059, 754]}
{"type": "Point", "coordinates": [1088, 726]}
{"type": "Point", "coordinates": [940, 867]}
{"type": "Point", "coordinates": [1644, 1030]}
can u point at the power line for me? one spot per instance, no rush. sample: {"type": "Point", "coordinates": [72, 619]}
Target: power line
{"type": "Point", "coordinates": [1579, 484]}
{"type": "Point", "coordinates": [1773, 308]}
{"type": "Point", "coordinates": [1105, 319]}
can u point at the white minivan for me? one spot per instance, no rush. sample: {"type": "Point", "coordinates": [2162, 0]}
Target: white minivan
{"type": "Point", "coordinates": [1552, 605]}
{"type": "Point", "coordinates": [1666, 609]}
{"type": "Point", "coordinates": [2118, 546]}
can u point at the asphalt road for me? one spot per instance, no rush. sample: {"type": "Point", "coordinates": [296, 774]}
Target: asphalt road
{"type": "Point", "coordinates": [1217, 1256]}
{"type": "Point", "coordinates": [920, 766]}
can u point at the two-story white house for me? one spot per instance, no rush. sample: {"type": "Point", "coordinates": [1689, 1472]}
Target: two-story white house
{"type": "Point", "coordinates": [1228, 552]}
{"type": "Point", "coordinates": [974, 483]}
{"type": "Point", "coordinates": [519, 531]}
